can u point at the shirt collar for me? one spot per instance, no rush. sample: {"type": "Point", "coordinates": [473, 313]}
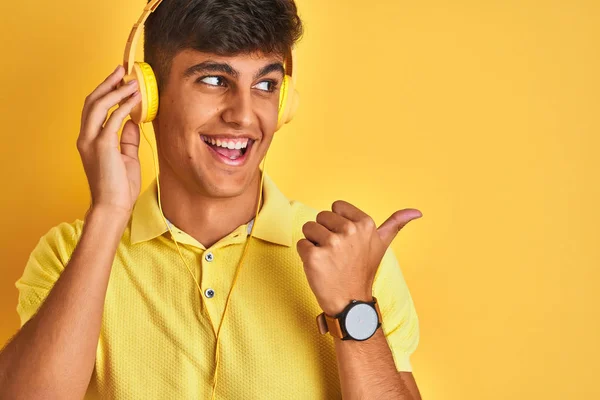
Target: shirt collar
{"type": "Point", "coordinates": [248, 229]}
{"type": "Point", "coordinates": [274, 223]}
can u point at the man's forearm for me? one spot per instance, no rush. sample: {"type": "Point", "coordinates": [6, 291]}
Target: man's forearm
{"type": "Point", "coordinates": [53, 355]}
{"type": "Point", "coordinates": [367, 370]}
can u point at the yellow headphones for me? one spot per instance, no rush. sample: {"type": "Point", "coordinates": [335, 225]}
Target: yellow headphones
{"type": "Point", "coordinates": [147, 108]}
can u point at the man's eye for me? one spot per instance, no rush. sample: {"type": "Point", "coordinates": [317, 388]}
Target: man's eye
{"type": "Point", "coordinates": [267, 86]}
{"type": "Point", "coordinates": [212, 80]}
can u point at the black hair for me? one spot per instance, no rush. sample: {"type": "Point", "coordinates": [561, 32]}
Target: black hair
{"type": "Point", "coordinates": [222, 27]}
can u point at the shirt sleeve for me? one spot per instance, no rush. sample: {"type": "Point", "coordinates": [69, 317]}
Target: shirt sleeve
{"type": "Point", "coordinates": [44, 266]}
{"type": "Point", "coordinates": [399, 318]}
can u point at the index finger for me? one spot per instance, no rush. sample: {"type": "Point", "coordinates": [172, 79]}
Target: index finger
{"type": "Point", "coordinates": [108, 85]}
{"type": "Point", "coordinates": [349, 211]}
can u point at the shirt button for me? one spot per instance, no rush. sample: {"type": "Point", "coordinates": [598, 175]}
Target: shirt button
{"type": "Point", "coordinates": [209, 257]}
{"type": "Point", "coordinates": [209, 293]}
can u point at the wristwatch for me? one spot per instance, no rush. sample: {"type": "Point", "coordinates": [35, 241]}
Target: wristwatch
{"type": "Point", "coordinates": [359, 321]}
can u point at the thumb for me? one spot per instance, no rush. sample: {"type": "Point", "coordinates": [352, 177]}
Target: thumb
{"type": "Point", "coordinates": [130, 140]}
{"type": "Point", "coordinates": [390, 228]}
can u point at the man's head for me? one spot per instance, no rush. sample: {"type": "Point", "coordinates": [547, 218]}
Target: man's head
{"type": "Point", "coordinates": [218, 65]}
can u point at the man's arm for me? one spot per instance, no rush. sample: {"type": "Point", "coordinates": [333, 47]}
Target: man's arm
{"type": "Point", "coordinates": [367, 371]}
{"type": "Point", "coordinates": [374, 358]}
{"type": "Point", "coordinates": [409, 380]}
{"type": "Point", "coordinates": [53, 355]}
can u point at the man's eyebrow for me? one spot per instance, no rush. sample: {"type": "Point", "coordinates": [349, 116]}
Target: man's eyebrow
{"type": "Point", "coordinates": [210, 66]}
{"type": "Point", "coordinates": [269, 68]}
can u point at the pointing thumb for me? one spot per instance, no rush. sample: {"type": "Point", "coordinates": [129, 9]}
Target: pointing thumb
{"type": "Point", "coordinates": [390, 228]}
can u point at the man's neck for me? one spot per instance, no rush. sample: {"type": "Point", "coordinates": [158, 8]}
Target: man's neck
{"type": "Point", "coordinates": [204, 218]}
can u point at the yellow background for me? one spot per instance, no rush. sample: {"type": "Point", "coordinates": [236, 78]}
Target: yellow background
{"type": "Point", "coordinates": [482, 114]}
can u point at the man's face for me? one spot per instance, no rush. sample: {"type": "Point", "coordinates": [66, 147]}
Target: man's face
{"type": "Point", "coordinates": [209, 105]}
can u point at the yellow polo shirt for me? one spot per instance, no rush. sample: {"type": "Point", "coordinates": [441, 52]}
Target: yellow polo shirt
{"type": "Point", "coordinates": [156, 340]}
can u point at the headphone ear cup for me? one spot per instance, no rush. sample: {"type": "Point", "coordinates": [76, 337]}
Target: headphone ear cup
{"type": "Point", "coordinates": [147, 108]}
{"type": "Point", "coordinates": [289, 99]}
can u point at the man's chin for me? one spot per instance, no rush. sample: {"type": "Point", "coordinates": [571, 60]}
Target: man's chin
{"type": "Point", "coordinates": [225, 185]}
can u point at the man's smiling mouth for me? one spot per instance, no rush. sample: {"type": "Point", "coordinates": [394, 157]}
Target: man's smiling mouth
{"type": "Point", "coordinates": [229, 150]}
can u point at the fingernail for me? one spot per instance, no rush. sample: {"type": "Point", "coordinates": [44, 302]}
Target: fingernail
{"type": "Point", "coordinates": [116, 69]}
{"type": "Point", "coordinates": [132, 82]}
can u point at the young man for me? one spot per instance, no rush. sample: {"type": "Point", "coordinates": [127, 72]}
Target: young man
{"type": "Point", "coordinates": [150, 331]}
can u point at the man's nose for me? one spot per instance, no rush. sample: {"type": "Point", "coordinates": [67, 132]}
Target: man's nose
{"type": "Point", "coordinates": [239, 110]}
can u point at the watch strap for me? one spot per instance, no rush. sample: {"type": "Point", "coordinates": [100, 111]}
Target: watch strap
{"type": "Point", "coordinates": [329, 324]}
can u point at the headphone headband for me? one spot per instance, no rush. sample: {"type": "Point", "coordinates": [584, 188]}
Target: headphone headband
{"type": "Point", "coordinates": [289, 62]}
{"type": "Point", "coordinates": [134, 35]}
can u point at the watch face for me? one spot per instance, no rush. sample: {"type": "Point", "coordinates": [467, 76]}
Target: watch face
{"type": "Point", "coordinates": [361, 321]}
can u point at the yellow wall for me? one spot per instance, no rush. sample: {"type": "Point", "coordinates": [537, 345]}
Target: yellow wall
{"type": "Point", "coordinates": [482, 114]}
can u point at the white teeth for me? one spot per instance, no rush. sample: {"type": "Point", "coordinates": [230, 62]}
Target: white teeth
{"type": "Point", "coordinates": [241, 144]}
